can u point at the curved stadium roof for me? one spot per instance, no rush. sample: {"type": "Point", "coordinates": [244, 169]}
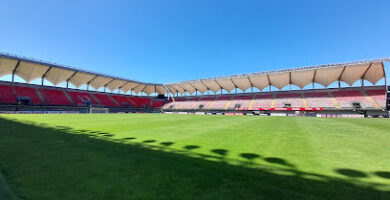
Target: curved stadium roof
{"type": "Point", "coordinates": [31, 69]}
{"type": "Point", "coordinates": [372, 71]}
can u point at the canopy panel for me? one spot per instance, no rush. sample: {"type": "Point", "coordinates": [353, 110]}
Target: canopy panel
{"type": "Point", "coordinates": [279, 80]}
{"type": "Point", "coordinates": [212, 85]}
{"type": "Point", "coordinates": [188, 87]}
{"type": "Point", "coordinates": [353, 73]}
{"type": "Point", "coordinates": [30, 71]}
{"type": "Point", "coordinates": [302, 78]}
{"type": "Point", "coordinates": [375, 73]}
{"type": "Point", "coordinates": [57, 75]}
{"type": "Point", "coordinates": [79, 79]}
{"type": "Point", "coordinates": [115, 84]}
{"type": "Point", "coordinates": [327, 76]}
{"type": "Point", "coordinates": [99, 82]}
{"type": "Point", "coordinates": [7, 66]}
{"type": "Point", "coordinates": [149, 89]}
{"type": "Point", "coordinates": [259, 81]}
{"type": "Point", "coordinates": [242, 83]}
{"type": "Point", "coordinates": [199, 86]}
{"type": "Point", "coordinates": [172, 89]}
{"type": "Point", "coordinates": [226, 84]}
{"type": "Point", "coordinates": [129, 86]}
{"type": "Point", "coordinates": [160, 89]}
{"type": "Point", "coordinates": [139, 88]}
{"type": "Point", "coordinates": [178, 89]}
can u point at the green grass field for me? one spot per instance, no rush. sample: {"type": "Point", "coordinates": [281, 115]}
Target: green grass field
{"type": "Point", "coordinates": [156, 156]}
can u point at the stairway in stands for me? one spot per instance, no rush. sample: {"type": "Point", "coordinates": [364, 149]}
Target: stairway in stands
{"type": "Point", "coordinates": [304, 102]}
{"type": "Point", "coordinates": [228, 103]}
{"type": "Point", "coordinates": [334, 101]}
{"type": "Point", "coordinates": [40, 95]}
{"type": "Point", "coordinates": [370, 99]}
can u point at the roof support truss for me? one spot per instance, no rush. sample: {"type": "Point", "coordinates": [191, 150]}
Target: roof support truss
{"type": "Point", "coordinates": [339, 78]}
{"type": "Point", "coordinates": [44, 75]}
{"type": "Point", "coordinates": [71, 76]}
{"type": "Point", "coordinates": [14, 71]}
{"type": "Point", "coordinates": [364, 74]}
{"type": "Point", "coordinates": [269, 82]}
{"type": "Point", "coordinates": [89, 82]}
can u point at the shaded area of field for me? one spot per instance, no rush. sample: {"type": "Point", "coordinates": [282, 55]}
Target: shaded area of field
{"type": "Point", "coordinates": [44, 161]}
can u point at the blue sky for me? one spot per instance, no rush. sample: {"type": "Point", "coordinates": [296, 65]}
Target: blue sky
{"type": "Point", "coordinates": [173, 40]}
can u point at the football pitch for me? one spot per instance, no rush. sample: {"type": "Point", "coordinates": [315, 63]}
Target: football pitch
{"type": "Point", "coordinates": [162, 156]}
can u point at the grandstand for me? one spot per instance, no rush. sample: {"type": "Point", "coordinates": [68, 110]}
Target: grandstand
{"type": "Point", "coordinates": [186, 96]}
{"type": "Point", "coordinates": [200, 155]}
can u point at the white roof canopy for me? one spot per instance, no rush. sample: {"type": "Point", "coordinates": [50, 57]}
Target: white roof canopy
{"type": "Point", "coordinates": [30, 70]}
{"type": "Point", "coordinates": [325, 75]}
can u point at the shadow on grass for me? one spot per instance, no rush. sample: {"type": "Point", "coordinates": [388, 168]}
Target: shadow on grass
{"type": "Point", "coordinates": [149, 141]}
{"type": "Point", "coordinates": [51, 163]}
{"type": "Point", "coordinates": [221, 152]}
{"type": "Point", "coordinates": [351, 173]}
{"type": "Point", "coordinates": [279, 161]}
{"type": "Point", "coordinates": [191, 147]}
{"type": "Point", "coordinates": [129, 138]}
{"type": "Point", "coordinates": [249, 156]}
{"type": "Point", "coordinates": [167, 144]}
{"type": "Point", "coordinates": [383, 174]}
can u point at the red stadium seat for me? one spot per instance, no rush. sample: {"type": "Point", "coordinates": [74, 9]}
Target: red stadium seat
{"type": "Point", "coordinates": [157, 103]}
{"type": "Point", "coordinates": [55, 97]}
{"type": "Point", "coordinates": [7, 95]}
{"type": "Point", "coordinates": [105, 100]}
{"type": "Point", "coordinates": [81, 98]}
{"type": "Point", "coordinates": [141, 102]}
{"type": "Point", "coordinates": [28, 92]}
{"type": "Point", "coordinates": [124, 101]}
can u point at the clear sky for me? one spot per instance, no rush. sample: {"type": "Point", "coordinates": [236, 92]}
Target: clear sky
{"type": "Point", "coordinates": [165, 41]}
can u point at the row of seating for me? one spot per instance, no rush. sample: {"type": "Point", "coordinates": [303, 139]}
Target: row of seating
{"type": "Point", "coordinates": [322, 99]}
{"type": "Point", "coordinates": [371, 98]}
{"type": "Point", "coordinates": [61, 97]}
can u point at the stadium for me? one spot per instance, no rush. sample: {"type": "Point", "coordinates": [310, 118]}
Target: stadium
{"type": "Point", "coordinates": [179, 135]}
{"type": "Point", "coordinates": [194, 100]}
{"type": "Point", "coordinates": [182, 97]}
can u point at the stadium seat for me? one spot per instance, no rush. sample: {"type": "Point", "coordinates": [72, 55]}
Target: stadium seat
{"type": "Point", "coordinates": [29, 92]}
{"type": "Point", "coordinates": [241, 101]}
{"type": "Point", "coordinates": [347, 98]}
{"type": "Point", "coordinates": [105, 100]}
{"type": "Point", "coordinates": [220, 102]}
{"type": "Point", "coordinates": [124, 101]}
{"type": "Point", "coordinates": [294, 99]}
{"type": "Point", "coordinates": [261, 101]}
{"type": "Point", "coordinates": [185, 103]}
{"type": "Point", "coordinates": [82, 98]}
{"type": "Point", "coordinates": [156, 103]}
{"type": "Point", "coordinates": [203, 102]}
{"type": "Point", "coordinates": [55, 97]}
{"type": "Point", "coordinates": [379, 96]}
{"type": "Point", "coordinates": [7, 95]}
{"type": "Point", "coordinates": [318, 100]}
{"type": "Point", "coordinates": [142, 102]}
